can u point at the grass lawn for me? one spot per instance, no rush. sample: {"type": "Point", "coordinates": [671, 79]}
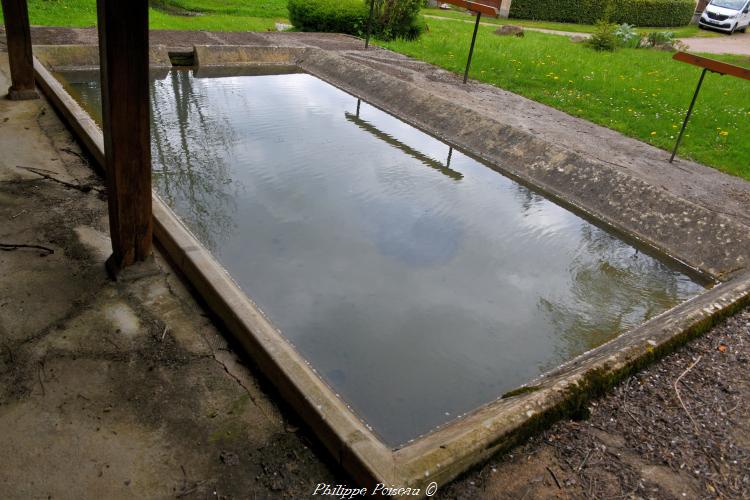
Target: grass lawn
{"type": "Point", "coordinates": [641, 93]}
{"type": "Point", "coordinates": [220, 15]}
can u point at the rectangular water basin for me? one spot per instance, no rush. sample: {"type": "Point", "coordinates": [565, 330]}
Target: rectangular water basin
{"type": "Point", "coordinates": [418, 282]}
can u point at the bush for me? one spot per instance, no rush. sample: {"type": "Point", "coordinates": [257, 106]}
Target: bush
{"type": "Point", "coordinates": [332, 16]}
{"type": "Point", "coordinates": [604, 37]}
{"type": "Point", "coordinates": [637, 12]}
{"type": "Point", "coordinates": [398, 19]}
{"type": "Point", "coordinates": [392, 18]}
{"type": "Point", "coordinates": [664, 40]}
{"type": "Point", "coordinates": [627, 36]}
{"type": "Point", "coordinates": [656, 38]}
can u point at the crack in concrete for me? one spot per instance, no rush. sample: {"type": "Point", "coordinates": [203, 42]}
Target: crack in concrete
{"type": "Point", "coordinates": [247, 390]}
{"type": "Point", "coordinates": [79, 306]}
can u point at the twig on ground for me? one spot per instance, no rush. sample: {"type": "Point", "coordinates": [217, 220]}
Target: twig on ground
{"type": "Point", "coordinates": [80, 156]}
{"type": "Point", "coordinates": [107, 339]}
{"type": "Point", "coordinates": [39, 372]}
{"type": "Point", "coordinates": [525, 493]}
{"type": "Point", "coordinates": [659, 438]}
{"type": "Point", "coordinates": [184, 478]}
{"type": "Point", "coordinates": [679, 397]}
{"type": "Point", "coordinates": [584, 460]}
{"type": "Point", "coordinates": [19, 214]}
{"type": "Point", "coordinates": [554, 477]}
{"type": "Point", "coordinates": [11, 358]}
{"type": "Point", "coordinates": [190, 490]}
{"type": "Point", "coordinates": [84, 188]}
{"type": "Point", "coordinates": [9, 247]}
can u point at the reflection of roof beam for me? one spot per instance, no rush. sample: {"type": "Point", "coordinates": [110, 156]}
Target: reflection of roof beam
{"type": "Point", "coordinates": [367, 126]}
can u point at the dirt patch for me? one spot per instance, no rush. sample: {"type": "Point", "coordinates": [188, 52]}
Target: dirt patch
{"type": "Point", "coordinates": [640, 442]}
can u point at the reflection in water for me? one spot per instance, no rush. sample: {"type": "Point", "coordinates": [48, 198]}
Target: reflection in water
{"type": "Point", "coordinates": [191, 172]}
{"type": "Point", "coordinates": [598, 308]}
{"type": "Point", "coordinates": [418, 293]}
{"type": "Point", "coordinates": [365, 125]}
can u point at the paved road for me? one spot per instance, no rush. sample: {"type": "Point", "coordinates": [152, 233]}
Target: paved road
{"type": "Point", "coordinates": [495, 25]}
{"type": "Point", "coordinates": [739, 43]}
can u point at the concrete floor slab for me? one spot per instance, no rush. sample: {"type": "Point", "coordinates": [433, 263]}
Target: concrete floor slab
{"type": "Point", "coordinates": [117, 390]}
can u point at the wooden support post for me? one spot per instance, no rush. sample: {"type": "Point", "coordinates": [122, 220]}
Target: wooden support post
{"type": "Point", "coordinates": [504, 10]}
{"type": "Point", "coordinates": [18, 35]}
{"type": "Point", "coordinates": [123, 50]}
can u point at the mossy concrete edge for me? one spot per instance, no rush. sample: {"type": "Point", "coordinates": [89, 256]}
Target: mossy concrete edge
{"type": "Point", "coordinates": [564, 392]}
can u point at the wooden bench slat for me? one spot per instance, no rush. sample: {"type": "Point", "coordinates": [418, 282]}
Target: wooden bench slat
{"type": "Point", "coordinates": [713, 65]}
{"type": "Point", "coordinates": [488, 7]}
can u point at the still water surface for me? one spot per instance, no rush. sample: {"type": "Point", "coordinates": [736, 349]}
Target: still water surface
{"type": "Point", "coordinates": [418, 282]}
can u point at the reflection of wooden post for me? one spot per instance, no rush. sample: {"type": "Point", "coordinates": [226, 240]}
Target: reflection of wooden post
{"type": "Point", "coordinates": [123, 49]}
{"type": "Point", "coordinates": [18, 35]}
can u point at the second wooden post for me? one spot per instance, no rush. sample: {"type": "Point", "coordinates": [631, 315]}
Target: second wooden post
{"type": "Point", "coordinates": [124, 60]}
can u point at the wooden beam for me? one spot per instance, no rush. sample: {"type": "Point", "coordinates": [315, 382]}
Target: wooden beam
{"type": "Point", "coordinates": [487, 7]}
{"type": "Point", "coordinates": [123, 49]}
{"type": "Point", "coordinates": [18, 35]}
{"type": "Point", "coordinates": [713, 65]}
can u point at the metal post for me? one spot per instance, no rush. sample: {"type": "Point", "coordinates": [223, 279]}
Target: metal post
{"type": "Point", "coordinates": [471, 49]}
{"type": "Point", "coordinates": [687, 117]}
{"type": "Point", "coordinates": [450, 154]}
{"type": "Point", "coordinates": [359, 101]}
{"type": "Point", "coordinates": [369, 24]}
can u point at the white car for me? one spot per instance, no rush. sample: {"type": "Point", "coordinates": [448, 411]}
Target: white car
{"type": "Point", "coordinates": [726, 15]}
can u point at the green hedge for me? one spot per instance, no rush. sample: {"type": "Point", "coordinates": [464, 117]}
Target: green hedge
{"type": "Point", "coordinates": [398, 19]}
{"type": "Point", "coordinates": [391, 19]}
{"type": "Point", "coordinates": [637, 12]}
{"type": "Point", "coordinates": [331, 16]}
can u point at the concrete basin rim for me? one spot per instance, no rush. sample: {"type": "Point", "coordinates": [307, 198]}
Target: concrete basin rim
{"type": "Point", "coordinates": [359, 451]}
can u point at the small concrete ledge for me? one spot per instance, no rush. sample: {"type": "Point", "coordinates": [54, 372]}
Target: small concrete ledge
{"type": "Point", "coordinates": [243, 55]}
{"type": "Point", "coordinates": [57, 57]}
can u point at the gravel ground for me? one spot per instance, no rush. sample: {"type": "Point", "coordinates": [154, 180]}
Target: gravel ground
{"type": "Point", "coordinates": [737, 43]}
